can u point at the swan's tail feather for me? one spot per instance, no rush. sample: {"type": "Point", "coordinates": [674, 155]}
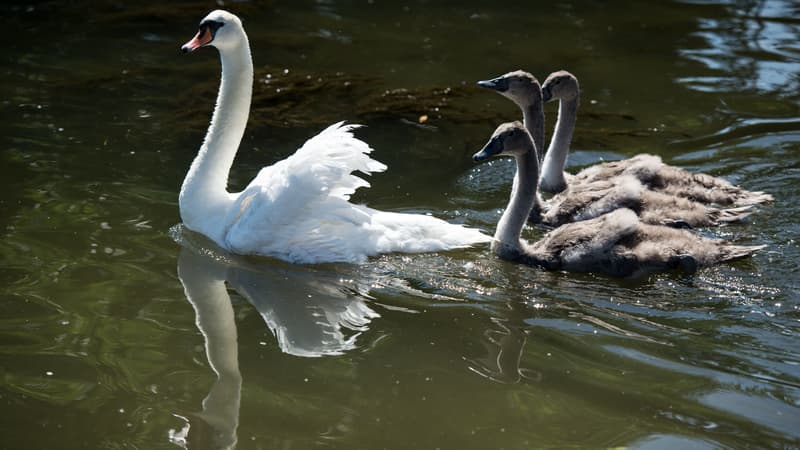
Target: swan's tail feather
{"type": "Point", "coordinates": [412, 233]}
{"type": "Point", "coordinates": [734, 214]}
{"type": "Point", "coordinates": [730, 252]}
{"type": "Point", "coordinates": [379, 232]}
{"type": "Point", "coordinates": [749, 198]}
{"type": "Point", "coordinates": [709, 189]}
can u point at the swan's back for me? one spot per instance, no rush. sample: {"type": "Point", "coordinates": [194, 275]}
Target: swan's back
{"type": "Point", "coordinates": [663, 243]}
{"type": "Point", "coordinates": [584, 246]}
{"type": "Point", "coordinates": [587, 200]}
{"type": "Point", "coordinates": [618, 244]}
{"type": "Point", "coordinates": [671, 180]}
{"type": "Point", "coordinates": [298, 209]}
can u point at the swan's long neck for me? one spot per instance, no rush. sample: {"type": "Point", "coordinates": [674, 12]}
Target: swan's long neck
{"type": "Point", "coordinates": [205, 186]}
{"type": "Point", "coordinates": [523, 196]}
{"type": "Point", "coordinates": [533, 119]}
{"type": "Point", "coordinates": [555, 160]}
{"type": "Point", "coordinates": [204, 285]}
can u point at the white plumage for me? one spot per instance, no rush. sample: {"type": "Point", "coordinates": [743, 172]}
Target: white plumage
{"type": "Point", "coordinates": [298, 209]}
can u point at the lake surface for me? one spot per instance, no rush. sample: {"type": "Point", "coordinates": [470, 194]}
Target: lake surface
{"type": "Point", "coordinates": [120, 329]}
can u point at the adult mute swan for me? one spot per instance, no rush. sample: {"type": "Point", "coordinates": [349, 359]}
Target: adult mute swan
{"type": "Point", "coordinates": [650, 170]}
{"type": "Point", "coordinates": [297, 209]}
{"type": "Point", "coordinates": [591, 198]}
{"type": "Point", "coordinates": [617, 243]}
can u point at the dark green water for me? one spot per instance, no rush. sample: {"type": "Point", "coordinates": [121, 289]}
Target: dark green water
{"type": "Point", "coordinates": [102, 346]}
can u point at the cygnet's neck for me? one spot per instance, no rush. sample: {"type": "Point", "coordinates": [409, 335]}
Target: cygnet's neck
{"type": "Point", "coordinates": [523, 197]}
{"type": "Point", "coordinates": [533, 118]}
{"type": "Point", "coordinates": [205, 185]}
{"type": "Point", "coordinates": [555, 160]}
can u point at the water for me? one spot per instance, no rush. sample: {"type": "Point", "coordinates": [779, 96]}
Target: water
{"type": "Point", "coordinates": [104, 346]}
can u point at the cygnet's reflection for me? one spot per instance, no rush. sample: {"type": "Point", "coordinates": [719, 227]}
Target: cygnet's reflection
{"type": "Point", "coordinates": [504, 350]}
{"type": "Point", "coordinates": [311, 311]}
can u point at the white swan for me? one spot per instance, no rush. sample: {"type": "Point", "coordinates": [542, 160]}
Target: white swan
{"type": "Point", "coordinates": [298, 208]}
{"type": "Point", "coordinates": [616, 243]}
{"type": "Point", "coordinates": [586, 199]}
{"type": "Point", "coordinates": [650, 170]}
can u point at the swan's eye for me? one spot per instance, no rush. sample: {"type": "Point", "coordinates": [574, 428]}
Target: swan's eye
{"type": "Point", "coordinates": [210, 26]}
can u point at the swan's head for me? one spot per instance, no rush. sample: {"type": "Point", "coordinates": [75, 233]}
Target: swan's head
{"type": "Point", "coordinates": [519, 86]}
{"type": "Point", "coordinates": [560, 85]}
{"type": "Point", "coordinates": [511, 139]}
{"type": "Point", "coordinates": [220, 29]}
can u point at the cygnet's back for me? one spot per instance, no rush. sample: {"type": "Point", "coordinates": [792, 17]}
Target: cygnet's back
{"type": "Point", "coordinates": [619, 244]}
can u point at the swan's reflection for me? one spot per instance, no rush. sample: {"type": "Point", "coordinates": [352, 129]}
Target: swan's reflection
{"type": "Point", "coordinates": [203, 282]}
{"type": "Point", "coordinates": [311, 312]}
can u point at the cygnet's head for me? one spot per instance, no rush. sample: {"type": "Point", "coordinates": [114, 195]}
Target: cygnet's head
{"type": "Point", "coordinates": [220, 29]}
{"type": "Point", "coordinates": [510, 139]}
{"type": "Point", "coordinates": [519, 86]}
{"type": "Point", "coordinates": [560, 85]}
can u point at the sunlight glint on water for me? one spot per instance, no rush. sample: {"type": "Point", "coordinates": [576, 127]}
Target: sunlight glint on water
{"type": "Point", "coordinates": [117, 332]}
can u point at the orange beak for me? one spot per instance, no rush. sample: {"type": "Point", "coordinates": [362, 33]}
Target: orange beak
{"type": "Point", "coordinates": [203, 37]}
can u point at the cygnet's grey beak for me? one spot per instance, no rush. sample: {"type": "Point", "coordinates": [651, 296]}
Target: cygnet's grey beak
{"type": "Point", "coordinates": [492, 148]}
{"type": "Point", "coordinates": [498, 84]}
